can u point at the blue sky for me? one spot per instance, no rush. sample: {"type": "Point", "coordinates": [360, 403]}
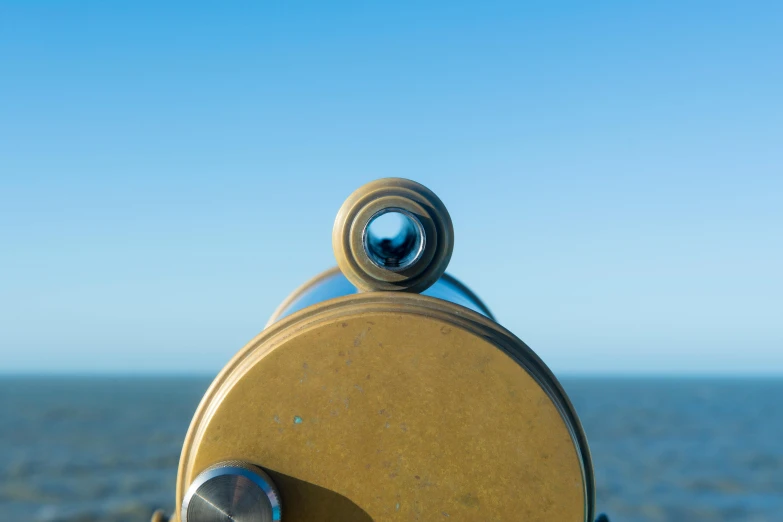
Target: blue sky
{"type": "Point", "coordinates": [169, 173]}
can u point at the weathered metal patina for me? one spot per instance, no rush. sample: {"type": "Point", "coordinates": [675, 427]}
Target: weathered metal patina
{"type": "Point", "coordinates": [386, 391]}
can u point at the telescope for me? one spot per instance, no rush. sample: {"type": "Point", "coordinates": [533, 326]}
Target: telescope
{"type": "Point", "coordinates": [385, 390]}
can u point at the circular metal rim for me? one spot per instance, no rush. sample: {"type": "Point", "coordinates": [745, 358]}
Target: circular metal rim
{"type": "Point", "coordinates": [422, 236]}
{"type": "Point", "coordinates": [257, 476]}
{"type": "Point", "coordinates": [364, 203]}
{"type": "Point", "coordinates": [372, 274]}
{"type": "Point", "coordinates": [403, 303]}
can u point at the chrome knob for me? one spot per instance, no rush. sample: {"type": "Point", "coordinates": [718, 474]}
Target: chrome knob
{"type": "Point", "coordinates": [231, 492]}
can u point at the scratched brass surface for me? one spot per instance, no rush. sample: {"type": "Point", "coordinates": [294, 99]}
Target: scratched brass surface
{"type": "Point", "coordinates": [391, 406]}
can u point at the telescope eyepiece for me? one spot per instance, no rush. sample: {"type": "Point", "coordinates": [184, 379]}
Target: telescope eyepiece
{"type": "Point", "coordinates": [393, 234]}
{"type": "Point", "coordinates": [394, 239]}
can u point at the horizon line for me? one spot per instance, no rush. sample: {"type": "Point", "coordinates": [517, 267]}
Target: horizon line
{"type": "Point", "coordinates": [559, 375]}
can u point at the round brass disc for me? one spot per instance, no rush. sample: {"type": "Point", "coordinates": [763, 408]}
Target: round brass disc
{"type": "Point", "coordinates": [390, 406]}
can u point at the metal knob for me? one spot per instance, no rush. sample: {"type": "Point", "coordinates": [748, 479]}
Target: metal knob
{"type": "Point", "coordinates": [232, 492]}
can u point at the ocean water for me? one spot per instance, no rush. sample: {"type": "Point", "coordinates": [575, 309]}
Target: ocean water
{"type": "Point", "coordinates": [106, 449]}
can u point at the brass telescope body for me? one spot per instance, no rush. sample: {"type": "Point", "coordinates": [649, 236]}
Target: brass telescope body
{"type": "Point", "coordinates": [401, 401]}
